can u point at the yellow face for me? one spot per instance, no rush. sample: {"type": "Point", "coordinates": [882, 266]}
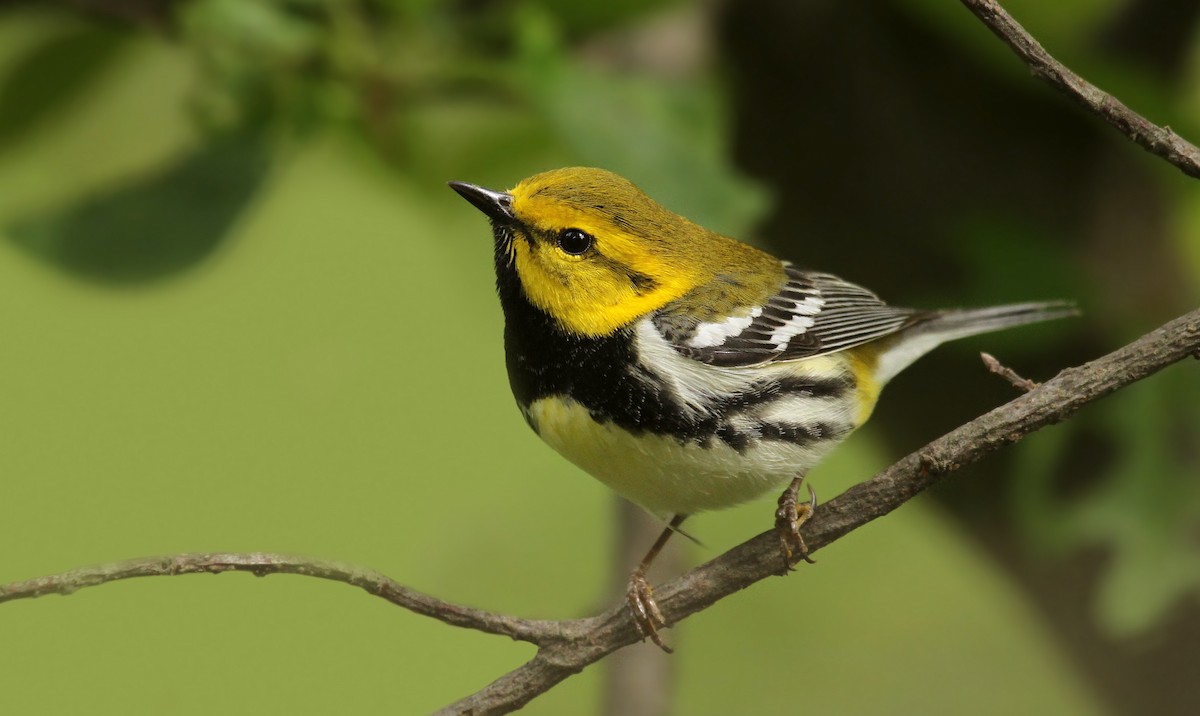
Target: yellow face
{"type": "Point", "coordinates": [595, 253]}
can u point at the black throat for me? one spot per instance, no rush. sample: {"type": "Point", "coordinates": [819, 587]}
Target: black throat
{"type": "Point", "coordinates": [605, 376]}
{"type": "Point", "coordinates": [544, 359]}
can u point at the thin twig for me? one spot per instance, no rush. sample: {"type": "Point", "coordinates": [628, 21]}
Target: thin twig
{"type": "Point", "coordinates": [1022, 384]}
{"type": "Point", "coordinates": [1160, 141]}
{"type": "Point", "coordinates": [264, 563]}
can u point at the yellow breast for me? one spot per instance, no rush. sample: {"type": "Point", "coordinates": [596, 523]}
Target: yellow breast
{"type": "Point", "coordinates": [664, 474]}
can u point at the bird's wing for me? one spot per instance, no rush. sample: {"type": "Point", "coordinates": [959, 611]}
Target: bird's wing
{"type": "Point", "coordinates": [812, 314]}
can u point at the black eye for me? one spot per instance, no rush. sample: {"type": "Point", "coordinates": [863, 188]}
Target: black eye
{"type": "Point", "coordinates": [575, 241]}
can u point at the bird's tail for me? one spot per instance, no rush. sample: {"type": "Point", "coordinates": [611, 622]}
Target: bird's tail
{"type": "Point", "coordinates": [937, 327]}
{"type": "Point", "coordinates": [963, 322]}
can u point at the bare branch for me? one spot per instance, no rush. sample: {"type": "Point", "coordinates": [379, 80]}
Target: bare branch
{"type": "Point", "coordinates": [264, 563]}
{"type": "Point", "coordinates": [758, 558]}
{"type": "Point", "coordinates": [567, 647]}
{"type": "Point", "coordinates": [1160, 141]}
{"type": "Point", "coordinates": [1022, 384]}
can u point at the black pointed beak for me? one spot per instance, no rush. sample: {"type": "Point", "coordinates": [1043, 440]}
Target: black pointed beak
{"type": "Point", "coordinates": [496, 204]}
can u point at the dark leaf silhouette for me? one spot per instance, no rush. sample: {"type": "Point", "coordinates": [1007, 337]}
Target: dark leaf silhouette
{"type": "Point", "coordinates": [156, 225]}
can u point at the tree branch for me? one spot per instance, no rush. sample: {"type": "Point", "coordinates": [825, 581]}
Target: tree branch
{"type": "Point", "coordinates": [264, 563]}
{"type": "Point", "coordinates": [758, 558]}
{"type": "Point", "coordinates": [994, 366]}
{"type": "Point", "coordinates": [566, 647]}
{"type": "Point", "coordinates": [1160, 141]}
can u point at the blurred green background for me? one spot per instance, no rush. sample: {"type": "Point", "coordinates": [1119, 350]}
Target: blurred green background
{"type": "Point", "coordinates": [243, 312]}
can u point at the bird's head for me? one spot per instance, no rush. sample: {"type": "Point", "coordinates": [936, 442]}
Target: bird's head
{"type": "Point", "coordinates": [595, 253]}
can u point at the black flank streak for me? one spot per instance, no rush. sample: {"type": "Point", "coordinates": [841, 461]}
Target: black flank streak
{"type": "Point", "coordinates": [793, 433]}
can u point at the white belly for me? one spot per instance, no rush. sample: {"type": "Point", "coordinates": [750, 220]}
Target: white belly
{"type": "Point", "coordinates": [662, 474]}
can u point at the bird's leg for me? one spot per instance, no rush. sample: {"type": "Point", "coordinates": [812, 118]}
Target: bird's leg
{"type": "Point", "coordinates": [788, 518]}
{"type": "Point", "coordinates": [640, 596]}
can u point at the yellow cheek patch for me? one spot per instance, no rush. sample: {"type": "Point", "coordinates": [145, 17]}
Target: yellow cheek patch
{"type": "Point", "coordinates": [602, 291]}
{"type": "Point", "coordinates": [592, 297]}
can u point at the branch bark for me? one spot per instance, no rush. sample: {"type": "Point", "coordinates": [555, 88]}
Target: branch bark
{"type": "Point", "coordinates": [1160, 141]}
{"type": "Point", "coordinates": [1022, 384]}
{"type": "Point", "coordinates": [567, 647]}
{"type": "Point", "coordinates": [758, 558]}
{"type": "Point", "coordinates": [263, 563]}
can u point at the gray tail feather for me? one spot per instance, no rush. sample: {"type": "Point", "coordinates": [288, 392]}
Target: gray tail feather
{"type": "Point", "coordinates": [959, 323]}
{"type": "Point", "coordinates": [930, 330]}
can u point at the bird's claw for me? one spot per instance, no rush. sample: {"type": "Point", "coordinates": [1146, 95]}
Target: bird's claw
{"type": "Point", "coordinates": [790, 515]}
{"type": "Point", "coordinates": [646, 615]}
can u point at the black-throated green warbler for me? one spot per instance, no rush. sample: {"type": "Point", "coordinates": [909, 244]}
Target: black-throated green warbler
{"type": "Point", "coordinates": [682, 368]}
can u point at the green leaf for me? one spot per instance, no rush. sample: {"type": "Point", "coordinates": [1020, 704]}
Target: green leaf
{"type": "Point", "coordinates": [156, 225]}
{"type": "Point", "coordinates": [51, 75]}
{"type": "Point", "coordinates": [579, 17]}
{"type": "Point", "coordinates": [667, 135]}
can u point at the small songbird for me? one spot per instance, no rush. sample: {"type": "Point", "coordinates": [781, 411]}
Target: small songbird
{"type": "Point", "coordinates": [682, 368]}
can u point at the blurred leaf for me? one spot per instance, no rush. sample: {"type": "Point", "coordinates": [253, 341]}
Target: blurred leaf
{"type": "Point", "coordinates": [1144, 505]}
{"type": "Point", "coordinates": [665, 134]}
{"type": "Point", "coordinates": [576, 17]}
{"type": "Point", "coordinates": [53, 74]}
{"type": "Point", "coordinates": [156, 225]}
{"type": "Point", "coordinates": [235, 34]}
{"type": "Point", "coordinates": [262, 61]}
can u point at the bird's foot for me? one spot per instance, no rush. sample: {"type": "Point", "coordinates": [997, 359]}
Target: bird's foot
{"type": "Point", "coordinates": [790, 515]}
{"type": "Point", "coordinates": [646, 615]}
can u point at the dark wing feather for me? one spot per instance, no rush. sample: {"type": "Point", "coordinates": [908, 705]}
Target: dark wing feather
{"type": "Point", "coordinates": [812, 314]}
